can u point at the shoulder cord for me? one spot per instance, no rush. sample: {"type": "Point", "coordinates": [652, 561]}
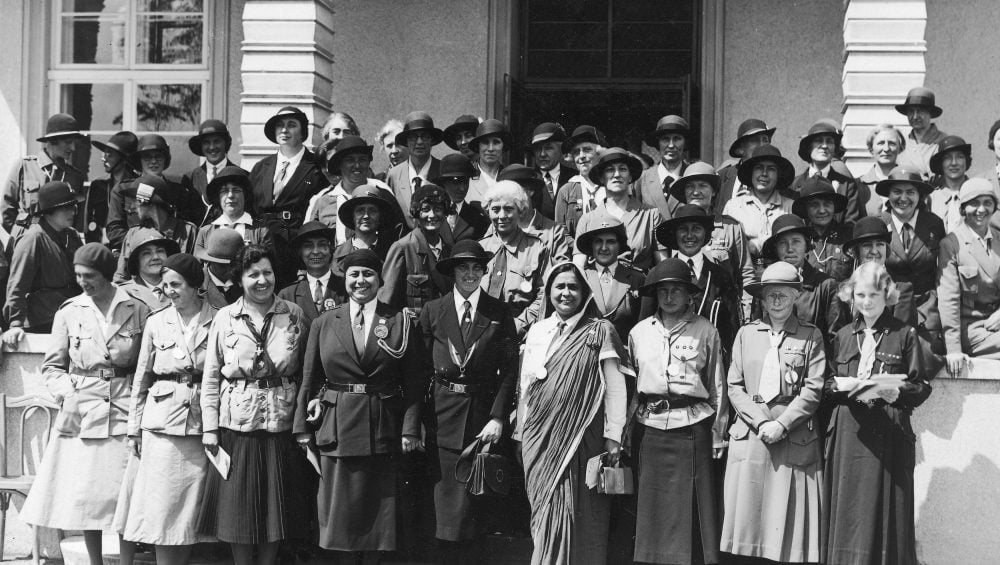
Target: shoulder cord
{"type": "Point", "coordinates": [397, 353]}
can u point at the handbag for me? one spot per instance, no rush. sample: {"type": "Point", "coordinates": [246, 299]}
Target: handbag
{"type": "Point", "coordinates": [484, 473]}
{"type": "Point", "coordinates": [616, 480]}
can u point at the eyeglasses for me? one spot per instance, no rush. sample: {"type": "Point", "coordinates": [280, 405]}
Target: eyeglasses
{"type": "Point", "coordinates": [777, 297]}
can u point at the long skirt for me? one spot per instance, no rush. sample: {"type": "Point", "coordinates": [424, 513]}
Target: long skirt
{"type": "Point", "coordinates": [357, 503]}
{"type": "Point", "coordinates": [455, 511]}
{"type": "Point", "coordinates": [77, 484]}
{"type": "Point", "coordinates": [266, 497]}
{"type": "Point", "coordinates": [772, 507]}
{"type": "Point", "coordinates": [164, 503]}
{"type": "Point", "coordinates": [677, 508]}
{"type": "Point", "coordinates": [870, 455]}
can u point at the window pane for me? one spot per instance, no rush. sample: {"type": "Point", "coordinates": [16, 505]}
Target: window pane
{"type": "Point", "coordinates": [169, 39]}
{"type": "Point", "coordinates": [568, 10]}
{"type": "Point", "coordinates": [181, 158]}
{"type": "Point", "coordinates": [94, 6]}
{"type": "Point", "coordinates": [653, 10]}
{"type": "Point", "coordinates": [568, 36]}
{"type": "Point", "coordinates": [93, 40]}
{"type": "Point", "coordinates": [171, 6]}
{"type": "Point", "coordinates": [95, 106]}
{"type": "Point", "coordinates": [664, 35]}
{"type": "Point", "coordinates": [651, 64]}
{"type": "Point", "coordinates": [567, 64]}
{"type": "Point", "coordinates": [168, 107]}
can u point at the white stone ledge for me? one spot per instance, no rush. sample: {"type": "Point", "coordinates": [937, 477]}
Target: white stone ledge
{"type": "Point", "coordinates": [886, 9]}
{"type": "Point", "coordinates": [869, 62]}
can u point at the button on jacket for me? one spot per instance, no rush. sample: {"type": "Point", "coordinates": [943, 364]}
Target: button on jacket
{"type": "Point", "coordinates": [159, 404]}
{"type": "Point", "coordinates": [90, 369]}
{"type": "Point", "coordinates": [228, 399]}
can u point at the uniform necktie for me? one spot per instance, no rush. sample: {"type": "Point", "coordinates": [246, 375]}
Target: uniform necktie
{"type": "Point", "coordinates": [906, 236]}
{"type": "Point", "coordinates": [770, 370]}
{"type": "Point", "coordinates": [279, 179]}
{"type": "Point", "coordinates": [466, 320]}
{"type": "Point", "coordinates": [867, 354]}
{"type": "Point", "coordinates": [318, 296]}
{"type": "Point", "coordinates": [437, 253]}
{"type": "Point", "coordinates": [691, 266]}
{"type": "Point", "coordinates": [560, 328]}
{"type": "Point", "coordinates": [668, 181]}
{"type": "Point", "coordinates": [549, 185]}
{"type": "Point", "coordinates": [417, 183]}
{"type": "Point", "coordinates": [212, 171]}
{"type": "Point", "coordinates": [817, 175]}
{"type": "Point", "coordinates": [358, 328]}
{"type": "Point", "coordinates": [606, 276]}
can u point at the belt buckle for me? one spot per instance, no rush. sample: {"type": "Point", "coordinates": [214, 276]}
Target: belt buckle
{"type": "Point", "coordinates": [758, 399]}
{"type": "Point", "coordinates": [357, 388]}
{"type": "Point", "coordinates": [459, 388]}
{"type": "Point", "coordinates": [107, 374]}
{"type": "Point", "coordinates": [286, 215]}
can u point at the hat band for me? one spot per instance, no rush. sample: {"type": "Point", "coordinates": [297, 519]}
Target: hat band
{"type": "Point", "coordinates": [541, 137]}
{"type": "Point", "coordinates": [64, 133]}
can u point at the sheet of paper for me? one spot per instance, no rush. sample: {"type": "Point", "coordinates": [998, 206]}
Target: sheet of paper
{"type": "Point", "coordinates": [594, 465]}
{"type": "Point", "coordinates": [313, 458]}
{"type": "Point", "coordinates": [220, 461]}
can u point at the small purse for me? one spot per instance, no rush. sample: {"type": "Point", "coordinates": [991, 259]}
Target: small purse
{"type": "Point", "coordinates": [484, 473]}
{"type": "Point", "coordinates": [615, 480]}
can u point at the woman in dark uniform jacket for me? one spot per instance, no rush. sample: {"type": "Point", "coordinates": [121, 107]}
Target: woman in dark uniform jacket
{"type": "Point", "coordinates": [870, 447]}
{"type": "Point", "coordinates": [475, 367]}
{"type": "Point", "coordinates": [366, 226]}
{"type": "Point", "coordinates": [819, 204]}
{"type": "Point", "coordinates": [362, 381]}
{"type": "Point", "coordinates": [314, 246]}
{"type": "Point", "coordinates": [614, 284]}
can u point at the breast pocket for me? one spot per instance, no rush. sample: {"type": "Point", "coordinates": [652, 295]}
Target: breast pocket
{"type": "Point", "coordinates": [167, 407]}
{"type": "Point", "coordinates": [889, 362]}
{"type": "Point", "coordinates": [166, 355]}
{"type": "Point", "coordinates": [803, 447]}
{"type": "Point", "coordinates": [968, 278]}
{"type": "Point", "coordinates": [684, 358]}
{"type": "Point", "coordinates": [794, 361]}
{"type": "Point", "coordinates": [418, 290]}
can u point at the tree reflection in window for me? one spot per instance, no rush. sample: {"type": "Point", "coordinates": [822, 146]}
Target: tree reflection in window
{"type": "Point", "coordinates": [168, 107]}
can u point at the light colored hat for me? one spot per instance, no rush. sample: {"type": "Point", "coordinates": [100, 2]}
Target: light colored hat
{"type": "Point", "coordinates": [779, 273]}
{"type": "Point", "coordinates": [974, 188]}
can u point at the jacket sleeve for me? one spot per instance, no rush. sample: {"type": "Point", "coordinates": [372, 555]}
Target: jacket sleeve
{"type": "Point", "coordinates": [117, 225]}
{"type": "Point", "coordinates": [830, 393]}
{"type": "Point", "coordinates": [416, 367]}
{"type": "Point", "coordinates": [312, 376]}
{"type": "Point", "coordinates": [55, 366]}
{"type": "Point", "coordinates": [143, 380]}
{"type": "Point", "coordinates": [718, 393]}
{"type": "Point", "coordinates": [507, 353]}
{"type": "Point", "coordinates": [562, 206]}
{"type": "Point", "coordinates": [394, 278]}
{"type": "Point", "coordinates": [745, 407]}
{"type": "Point", "coordinates": [212, 375]}
{"type": "Point", "coordinates": [11, 196]}
{"type": "Point", "coordinates": [915, 390]}
{"type": "Point", "coordinates": [562, 244]}
{"type": "Point", "coordinates": [855, 208]}
{"type": "Point", "coordinates": [949, 293]}
{"type": "Point", "coordinates": [836, 317]}
{"type": "Point", "coordinates": [807, 400]}
{"type": "Point", "coordinates": [23, 269]}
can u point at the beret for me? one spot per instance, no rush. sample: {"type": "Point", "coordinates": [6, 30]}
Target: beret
{"type": "Point", "coordinates": [97, 257]}
{"type": "Point", "coordinates": [187, 266]}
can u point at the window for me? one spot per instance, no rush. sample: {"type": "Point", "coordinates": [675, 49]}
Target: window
{"type": "Point", "coordinates": [138, 65]}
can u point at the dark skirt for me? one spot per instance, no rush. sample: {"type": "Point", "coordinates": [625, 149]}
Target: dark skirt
{"type": "Point", "coordinates": [592, 510]}
{"type": "Point", "coordinates": [266, 498]}
{"type": "Point", "coordinates": [357, 503]}
{"type": "Point", "coordinates": [454, 510]}
{"type": "Point", "coordinates": [870, 456]}
{"type": "Point", "coordinates": [677, 518]}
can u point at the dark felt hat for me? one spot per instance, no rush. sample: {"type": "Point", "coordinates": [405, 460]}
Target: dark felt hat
{"type": "Point", "coordinates": [465, 122]}
{"type": "Point", "coordinates": [821, 127]}
{"type": "Point", "coordinates": [490, 128]}
{"type": "Point", "coordinates": [581, 134]}
{"type": "Point", "coordinates": [97, 256]}
{"type": "Point", "coordinates": [786, 223]}
{"type": "Point", "coordinates": [869, 227]}
{"type": "Point", "coordinates": [672, 270]}
{"type": "Point", "coordinates": [142, 237]}
{"type": "Point", "coordinates": [602, 223]}
{"type": "Point", "coordinates": [749, 128]}
{"type": "Point", "coordinates": [123, 143]}
{"type": "Point", "coordinates": [668, 124]}
{"type": "Point", "coordinates": [766, 152]}
{"type": "Point", "coordinates": [149, 143]}
{"type": "Point", "coordinates": [522, 175]}
{"type": "Point", "coordinates": [778, 273]}
{"type": "Point", "coordinates": [666, 231]}
{"type": "Point", "coordinates": [950, 143]}
{"type": "Point", "coordinates": [454, 165]}
{"type": "Point", "coordinates": [901, 175]}
{"type": "Point", "coordinates": [546, 132]}
{"type": "Point", "coordinates": [348, 145]}
{"type": "Point", "coordinates": [462, 251]}
{"type": "Point", "coordinates": [230, 174]}
{"type": "Point", "coordinates": [363, 258]}
{"type": "Point", "coordinates": [364, 194]}
{"type": "Point", "coordinates": [614, 155]}
{"type": "Point", "coordinates": [286, 112]}
{"type": "Point", "coordinates": [419, 121]}
{"type": "Point", "coordinates": [209, 127]}
{"type": "Point", "coordinates": [695, 171]}
{"type": "Point", "coordinates": [922, 98]}
{"type": "Point", "coordinates": [151, 189]}
{"type": "Point", "coordinates": [56, 194]}
{"type": "Point", "coordinates": [314, 228]}
{"type": "Point", "coordinates": [61, 125]}
{"type": "Point", "coordinates": [817, 187]}
{"type": "Point", "coordinates": [221, 246]}
{"type": "Point", "coordinates": [188, 267]}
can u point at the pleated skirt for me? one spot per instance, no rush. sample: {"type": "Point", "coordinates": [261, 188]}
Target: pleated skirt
{"type": "Point", "coordinates": [772, 508]}
{"type": "Point", "coordinates": [357, 502]}
{"type": "Point", "coordinates": [266, 498]}
{"type": "Point", "coordinates": [164, 503]}
{"type": "Point", "coordinates": [677, 517]}
{"type": "Point", "coordinates": [77, 484]}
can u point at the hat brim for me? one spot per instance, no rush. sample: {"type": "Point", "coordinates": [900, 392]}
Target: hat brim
{"type": "Point", "coordinates": [666, 231]}
{"type": "Point", "coordinates": [805, 150]}
{"type": "Point", "coordinates": [767, 250]}
{"type": "Point", "coordinates": [170, 245]}
{"type": "Point", "coordinates": [447, 265]}
{"type": "Point", "coordinates": [852, 244]}
{"type": "Point", "coordinates": [786, 171]}
{"type": "Point", "coordinates": [436, 136]}
{"type": "Point", "coordinates": [649, 289]}
{"type": "Point", "coordinates": [212, 190]}
{"type": "Point", "coordinates": [194, 143]}
{"type": "Point", "coordinates": [596, 174]}
{"type": "Point", "coordinates": [934, 110]}
{"type": "Point", "coordinates": [800, 207]}
{"type": "Point", "coordinates": [346, 211]}
{"type": "Point", "coordinates": [63, 134]}
{"type": "Point", "coordinates": [573, 140]}
{"type": "Point", "coordinates": [504, 136]}
{"type": "Point", "coordinates": [201, 254]}
{"type": "Point", "coordinates": [105, 148]}
{"type": "Point", "coordinates": [269, 125]}
{"type": "Point", "coordinates": [585, 241]}
{"type": "Point", "coordinates": [756, 131]}
{"type": "Point", "coordinates": [935, 160]}
{"type": "Point", "coordinates": [884, 187]}
{"type": "Point", "coordinates": [327, 233]}
{"type": "Point", "coordinates": [452, 130]}
{"type": "Point", "coordinates": [754, 288]}
{"type": "Point", "coordinates": [333, 163]}
{"type": "Point", "coordinates": [652, 139]}
{"type": "Point", "coordinates": [77, 198]}
{"type": "Point", "coordinates": [677, 189]}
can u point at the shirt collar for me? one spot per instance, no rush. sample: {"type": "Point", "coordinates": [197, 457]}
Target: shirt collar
{"type": "Point", "coordinates": [294, 160]}
{"type": "Point", "coordinates": [662, 171]}
{"type": "Point", "coordinates": [369, 309]}
{"type": "Point", "coordinates": [698, 259]}
{"type": "Point", "coordinates": [571, 323]}
{"type": "Point", "coordinates": [825, 171]}
{"type": "Point", "coordinates": [898, 224]}
{"type": "Point", "coordinates": [424, 171]}
{"type": "Point", "coordinates": [219, 282]}
{"type": "Point", "coordinates": [119, 297]}
{"type": "Point", "coordinates": [324, 280]}
{"type": "Point", "coordinates": [246, 219]}
{"type": "Point", "coordinates": [473, 302]}
{"type": "Point", "coordinates": [612, 267]}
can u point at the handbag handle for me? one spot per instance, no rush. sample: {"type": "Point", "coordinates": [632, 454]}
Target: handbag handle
{"type": "Point", "coordinates": [467, 457]}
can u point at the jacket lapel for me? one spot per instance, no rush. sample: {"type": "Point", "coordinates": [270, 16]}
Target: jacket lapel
{"type": "Point", "coordinates": [266, 194]}
{"type": "Point", "coordinates": [920, 231]}
{"type": "Point", "coordinates": [594, 280]}
{"type": "Point", "coordinates": [119, 319]}
{"type": "Point", "coordinates": [480, 321]}
{"type": "Point", "coordinates": [451, 322]}
{"type": "Point", "coordinates": [205, 319]}
{"type": "Point", "coordinates": [619, 286]}
{"type": "Point", "coordinates": [293, 185]}
{"type": "Point", "coordinates": [371, 344]}
{"type": "Point", "coordinates": [345, 333]}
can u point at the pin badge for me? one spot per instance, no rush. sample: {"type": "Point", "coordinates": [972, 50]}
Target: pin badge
{"type": "Point", "coordinates": [381, 331]}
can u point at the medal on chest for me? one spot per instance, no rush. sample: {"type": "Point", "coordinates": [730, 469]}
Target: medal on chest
{"type": "Point", "coordinates": [381, 330]}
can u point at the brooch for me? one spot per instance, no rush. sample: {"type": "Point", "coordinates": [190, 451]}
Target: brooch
{"type": "Point", "coordinates": [525, 286]}
{"type": "Point", "coordinates": [328, 304]}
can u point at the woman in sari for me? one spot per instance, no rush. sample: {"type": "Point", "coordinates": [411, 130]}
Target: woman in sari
{"type": "Point", "coordinates": [572, 393]}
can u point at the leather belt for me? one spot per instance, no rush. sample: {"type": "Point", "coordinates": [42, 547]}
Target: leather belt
{"type": "Point", "coordinates": [104, 374]}
{"type": "Point", "coordinates": [464, 388]}
{"type": "Point", "coordinates": [284, 215]}
{"type": "Point", "coordinates": [782, 400]}
{"type": "Point", "coordinates": [183, 378]}
{"type": "Point", "coordinates": [359, 388]}
{"type": "Point", "coordinates": [660, 403]}
{"type": "Point", "coordinates": [266, 382]}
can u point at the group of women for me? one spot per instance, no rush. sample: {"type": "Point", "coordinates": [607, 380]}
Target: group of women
{"type": "Point", "coordinates": [779, 340]}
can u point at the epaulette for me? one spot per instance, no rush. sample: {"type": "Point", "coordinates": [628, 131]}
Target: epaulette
{"type": "Point", "coordinates": [30, 158]}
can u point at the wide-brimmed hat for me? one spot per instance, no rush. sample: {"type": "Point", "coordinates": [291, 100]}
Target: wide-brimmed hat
{"type": "Point", "coordinates": [581, 134]}
{"type": "Point", "coordinates": [209, 127]}
{"type": "Point", "coordinates": [749, 128]}
{"type": "Point", "coordinates": [778, 273]}
{"type": "Point", "coordinates": [667, 124]}
{"type": "Point", "coordinates": [56, 194]}
{"type": "Point", "coordinates": [817, 187]}
{"type": "Point", "coordinates": [142, 237]}
{"type": "Point", "coordinates": [286, 112]}
{"type": "Point", "coordinates": [452, 166]}
{"type": "Point", "coordinates": [419, 121]}
{"type": "Point", "coordinates": [614, 155]}
{"type": "Point", "coordinates": [314, 228]}
{"type": "Point", "coordinates": [348, 145]}
{"type": "Point", "coordinates": [465, 122]}
{"type": "Point", "coordinates": [490, 128]}
{"type": "Point", "coordinates": [922, 98]}
{"type": "Point", "coordinates": [462, 251]}
{"type": "Point", "coordinates": [869, 227]}
{"type": "Point", "coordinates": [766, 152]}
{"type": "Point", "coordinates": [784, 224]}
{"type": "Point", "coordinates": [821, 127]}
{"type": "Point", "coordinates": [123, 143]}
{"type": "Point", "coordinates": [601, 223]}
{"type": "Point", "coordinates": [150, 189]}
{"type": "Point", "coordinates": [61, 125]}
{"type": "Point", "coordinates": [222, 245]}
{"type": "Point", "coordinates": [666, 231]}
{"type": "Point", "coordinates": [230, 174]}
{"type": "Point", "coordinates": [974, 188]}
{"type": "Point", "coordinates": [523, 176]}
{"type": "Point", "coordinates": [149, 143]}
{"type": "Point", "coordinates": [695, 171]}
{"type": "Point", "coordinates": [950, 143]}
{"type": "Point", "coordinates": [901, 175]}
{"type": "Point", "coordinates": [546, 132]}
{"type": "Point", "coordinates": [365, 194]}
{"type": "Point", "coordinates": [672, 270]}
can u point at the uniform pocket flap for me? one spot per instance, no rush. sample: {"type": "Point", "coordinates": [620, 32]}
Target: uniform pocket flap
{"type": "Point", "coordinates": [803, 435]}
{"type": "Point", "coordinates": [416, 280]}
{"type": "Point", "coordinates": [968, 271]}
{"type": "Point", "coordinates": [161, 390]}
{"type": "Point", "coordinates": [739, 430]}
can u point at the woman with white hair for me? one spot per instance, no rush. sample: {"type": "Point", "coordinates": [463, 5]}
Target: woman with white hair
{"type": "Point", "coordinates": [885, 143]}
